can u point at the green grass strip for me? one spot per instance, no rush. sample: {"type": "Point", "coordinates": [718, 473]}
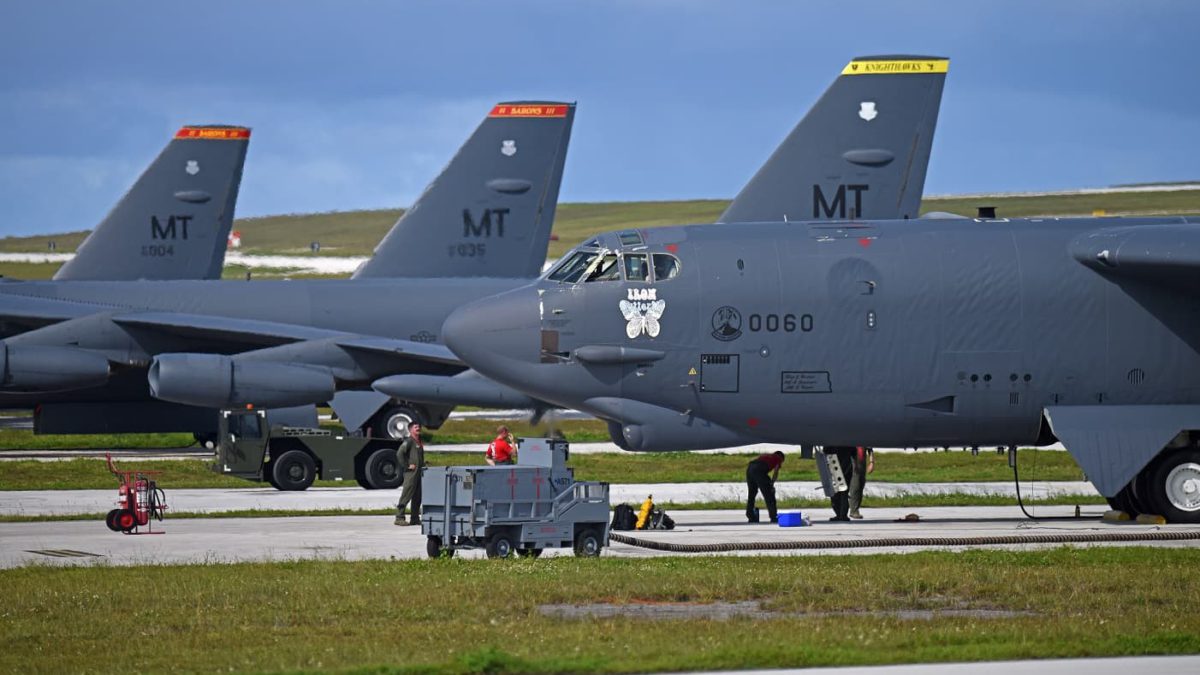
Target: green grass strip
{"type": "Point", "coordinates": [674, 467]}
{"type": "Point", "coordinates": [481, 616]}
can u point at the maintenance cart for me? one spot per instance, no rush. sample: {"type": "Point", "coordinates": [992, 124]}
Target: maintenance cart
{"type": "Point", "coordinates": [291, 458]}
{"type": "Point", "coordinates": [524, 508]}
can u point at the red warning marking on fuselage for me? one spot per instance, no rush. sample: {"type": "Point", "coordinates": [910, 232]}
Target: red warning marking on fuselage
{"type": "Point", "coordinates": [752, 422]}
{"type": "Point", "coordinates": [864, 242]}
{"type": "Point", "coordinates": [214, 133]}
{"type": "Point", "coordinates": [673, 248]}
{"type": "Point", "coordinates": [508, 110]}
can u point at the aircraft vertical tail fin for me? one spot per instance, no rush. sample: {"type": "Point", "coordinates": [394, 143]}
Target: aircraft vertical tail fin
{"type": "Point", "coordinates": [860, 152]}
{"type": "Point", "coordinates": [490, 211]}
{"type": "Point", "coordinates": [174, 222]}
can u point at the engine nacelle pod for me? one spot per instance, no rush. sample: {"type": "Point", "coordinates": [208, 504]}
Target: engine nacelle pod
{"type": "Point", "coordinates": [466, 388]}
{"type": "Point", "coordinates": [217, 381]}
{"type": "Point", "coordinates": [37, 368]}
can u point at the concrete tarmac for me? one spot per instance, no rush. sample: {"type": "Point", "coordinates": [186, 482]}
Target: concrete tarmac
{"type": "Point", "coordinates": [70, 502]}
{"type": "Point", "coordinates": [225, 540]}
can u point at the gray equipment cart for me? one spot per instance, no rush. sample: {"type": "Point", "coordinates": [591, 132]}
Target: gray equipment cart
{"type": "Point", "coordinates": [523, 508]}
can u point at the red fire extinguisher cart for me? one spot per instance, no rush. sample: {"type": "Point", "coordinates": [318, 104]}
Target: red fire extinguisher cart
{"type": "Point", "coordinates": [139, 501]}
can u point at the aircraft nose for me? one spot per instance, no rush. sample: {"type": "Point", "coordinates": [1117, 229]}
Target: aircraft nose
{"type": "Point", "coordinates": [491, 331]}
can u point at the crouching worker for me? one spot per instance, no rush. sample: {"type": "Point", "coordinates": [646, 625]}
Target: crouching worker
{"type": "Point", "coordinates": [836, 467]}
{"type": "Point", "coordinates": [411, 458]}
{"type": "Point", "coordinates": [761, 474]}
{"type": "Point", "coordinates": [501, 449]}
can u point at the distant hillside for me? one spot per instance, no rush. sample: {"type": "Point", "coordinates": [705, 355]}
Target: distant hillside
{"type": "Point", "coordinates": [355, 233]}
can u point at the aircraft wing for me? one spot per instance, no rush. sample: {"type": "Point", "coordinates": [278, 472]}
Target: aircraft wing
{"type": "Point", "coordinates": [1161, 253]}
{"type": "Point", "coordinates": [260, 334]}
{"type": "Point", "coordinates": [19, 313]}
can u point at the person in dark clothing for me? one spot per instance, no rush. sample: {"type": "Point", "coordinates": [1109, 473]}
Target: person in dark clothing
{"type": "Point", "coordinates": [841, 468]}
{"type": "Point", "coordinates": [411, 456]}
{"type": "Point", "coordinates": [761, 474]}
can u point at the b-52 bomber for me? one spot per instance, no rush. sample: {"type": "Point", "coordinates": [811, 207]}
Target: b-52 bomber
{"type": "Point", "coordinates": [862, 149]}
{"type": "Point", "coordinates": [918, 333]}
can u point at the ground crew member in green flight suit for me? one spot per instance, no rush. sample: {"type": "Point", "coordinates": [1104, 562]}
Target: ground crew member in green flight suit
{"type": "Point", "coordinates": [411, 457]}
{"type": "Point", "coordinates": [864, 463]}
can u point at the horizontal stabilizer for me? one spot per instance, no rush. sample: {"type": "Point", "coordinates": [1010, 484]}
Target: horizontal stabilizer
{"type": "Point", "coordinates": [1112, 443]}
{"type": "Point", "coordinates": [489, 213]}
{"type": "Point", "coordinates": [860, 152]}
{"type": "Point", "coordinates": [174, 222]}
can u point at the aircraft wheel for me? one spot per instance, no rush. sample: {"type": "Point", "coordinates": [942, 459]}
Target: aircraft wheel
{"type": "Point", "coordinates": [111, 520]}
{"type": "Point", "coordinates": [1123, 501]}
{"type": "Point", "coordinates": [294, 470]}
{"type": "Point", "coordinates": [499, 545]}
{"type": "Point", "coordinates": [1174, 486]}
{"type": "Point", "coordinates": [434, 548]}
{"type": "Point", "coordinates": [530, 552]}
{"type": "Point", "coordinates": [362, 483]}
{"type": "Point", "coordinates": [393, 422]}
{"type": "Point", "coordinates": [383, 470]}
{"type": "Point", "coordinates": [588, 543]}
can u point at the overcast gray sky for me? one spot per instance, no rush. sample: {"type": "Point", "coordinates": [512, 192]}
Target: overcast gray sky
{"type": "Point", "coordinates": [358, 104]}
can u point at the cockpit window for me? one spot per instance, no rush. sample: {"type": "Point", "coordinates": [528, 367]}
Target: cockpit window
{"type": "Point", "coordinates": [607, 270]}
{"type": "Point", "coordinates": [573, 268]}
{"type": "Point", "coordinates": [630, 238]}
{"type": "Point", "coordinates": [665, 267]}
{"type": "Point", "coordinates": [636, 268]}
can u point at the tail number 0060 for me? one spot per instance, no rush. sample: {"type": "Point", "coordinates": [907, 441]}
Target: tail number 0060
{"type": "Point", "coordinates": [773, 322]}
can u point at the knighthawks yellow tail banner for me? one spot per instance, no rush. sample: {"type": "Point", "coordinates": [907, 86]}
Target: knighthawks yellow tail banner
{"type": "Point", "coordinates": [897, 67]}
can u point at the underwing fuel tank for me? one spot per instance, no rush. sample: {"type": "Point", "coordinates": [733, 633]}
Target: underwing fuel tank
{"type": "Point", "coordinates": [36, 368]}
{"type": "Point", "coordinates": [217, 381]}
{"type": "Point", "coordinates": [658, 429]}
{"type": "Point", "coordinates": [463, 389]}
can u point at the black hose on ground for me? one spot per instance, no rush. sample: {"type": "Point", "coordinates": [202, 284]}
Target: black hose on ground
{"type": "Point", "coordinates": [1021, 503]}
{"type": "Point", "coordinates": [895, 542]}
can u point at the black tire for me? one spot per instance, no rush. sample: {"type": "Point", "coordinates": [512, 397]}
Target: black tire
{"type": "Point", "coordinates": [588, 543]}
{"type": "Point", "coordinates": [434, 548]}
{"type": "Point", "coordinates": [293, 470]}
{"type": "Point", "coordinates": [208, 441]}
{"type": "Point", "coordinates": [1173, 485]}
{"type": "Point", "coordinates": [382, 470]}
{"type": "Point", "coordinates": [125, 520]}
{"type": "Point", "coordinates": [392, 422]}
{"type": "Point", "coordinates": [530, 552]}
{"type": "Point", "coordinates": [111, 520]}
{"type": "Point", "coordinates": [499, 545]}
{"type": "Point", "coordinates": [1123, 501]}
{"type": "Point", "coordinates": [362, 483]}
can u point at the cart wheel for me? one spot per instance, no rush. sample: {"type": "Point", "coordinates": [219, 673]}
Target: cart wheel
{"type": "Point", "coordinates": [126, 521]}
{"type": "Point", "coordinates": [362, 483]}
{"type": "Point", "coordinates": [293, 470]}
{"type": "Point", "coordinates": [111, 520]}
{"type": "Point", "coordinates": [588, 543]}
{"type": "Point", "coordinates": [382, 470]}
{"type": "Point", "coordinates": [530, 552]}
{"type": "Point", "coordinates": [434, 548]}
{"type": "Point", "coordinates": [499, 545]}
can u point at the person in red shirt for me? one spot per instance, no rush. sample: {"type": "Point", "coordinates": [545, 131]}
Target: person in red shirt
{"type": "Point", "coordinates": [761, 474]}
{"type": "Point", "coordinates": [500, 450]}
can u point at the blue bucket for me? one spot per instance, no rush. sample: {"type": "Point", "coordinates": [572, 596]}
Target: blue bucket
{"type": "Point", "coordinates": [794, 519]}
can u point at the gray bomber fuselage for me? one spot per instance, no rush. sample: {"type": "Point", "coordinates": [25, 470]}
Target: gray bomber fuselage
{"type": "Point", "coordinates": [888, 333]}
